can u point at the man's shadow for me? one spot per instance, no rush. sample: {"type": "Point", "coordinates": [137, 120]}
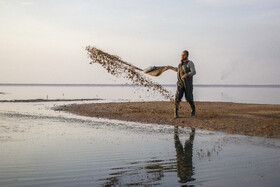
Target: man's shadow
{"type": "Point", "coordinates": [184, 155]}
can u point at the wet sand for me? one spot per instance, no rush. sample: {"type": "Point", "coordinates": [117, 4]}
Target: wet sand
{"type": "Point", "coordinates": [247, 119]}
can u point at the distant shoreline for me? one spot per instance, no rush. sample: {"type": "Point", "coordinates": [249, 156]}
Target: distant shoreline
{"type": "Point", "coordinates": [44, 100]}
{"type": "Point", "coordinates": [129, 85]}
{"type": "Point", "coordinates": [247, 119]}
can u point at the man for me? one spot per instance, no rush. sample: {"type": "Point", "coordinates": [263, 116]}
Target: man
{"type": "Point", "coordinates": [184, 157]}
{"type": "Point", "coordinates": [185, 72]}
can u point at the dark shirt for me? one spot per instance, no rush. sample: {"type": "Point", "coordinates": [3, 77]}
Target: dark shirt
{"type": "Point", "coordinates": [183, 68]}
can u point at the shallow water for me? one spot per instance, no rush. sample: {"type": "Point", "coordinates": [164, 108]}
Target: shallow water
{"type": "Point", "coordinates": [242, 94]}
{"type": "Point", "coordinates": [43, 147]}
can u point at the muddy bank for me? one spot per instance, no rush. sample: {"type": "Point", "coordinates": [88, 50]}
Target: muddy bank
{"type": "Point", "coordinates": [247, 119]}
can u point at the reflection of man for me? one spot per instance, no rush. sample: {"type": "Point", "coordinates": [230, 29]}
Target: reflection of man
{"type": "Point", "coordinates": [184, 157]}
{"type": "Point", "coordinates": [185, 73]}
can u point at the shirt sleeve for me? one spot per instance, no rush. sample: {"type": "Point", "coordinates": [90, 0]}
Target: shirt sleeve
{"type": "Point", "coordinates": [192, 68]}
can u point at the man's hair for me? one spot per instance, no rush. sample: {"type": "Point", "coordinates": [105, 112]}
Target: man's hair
{"type": "Point", "coordinates": [187, 52]}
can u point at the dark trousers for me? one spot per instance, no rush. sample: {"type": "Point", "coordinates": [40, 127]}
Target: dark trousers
{"type": "Point", "coordinates": [188, 91]}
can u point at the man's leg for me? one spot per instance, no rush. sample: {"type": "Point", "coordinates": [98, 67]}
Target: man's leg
{"type": "Point", "coordinates": [178, 98]}
{"type": "Point", "coordinates": [189, 97]}
{"type": "Point", "coordinates": [193, 108]}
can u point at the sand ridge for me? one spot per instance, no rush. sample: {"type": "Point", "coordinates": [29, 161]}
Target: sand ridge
{"type": "Point", "coordinates": [247, 119]}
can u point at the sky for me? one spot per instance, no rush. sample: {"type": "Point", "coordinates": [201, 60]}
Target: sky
{"type": "Point", "coordinates": [230, 42]}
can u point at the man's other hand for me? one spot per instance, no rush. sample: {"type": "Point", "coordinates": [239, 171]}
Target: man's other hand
{"type": "Point", "coordinates": [185, 76]}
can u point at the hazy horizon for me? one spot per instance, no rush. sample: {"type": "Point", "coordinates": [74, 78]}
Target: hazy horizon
{"type": "Point", "coordinates": [230, 42]}
{"type": "Point", "coordinates": [131, 84]}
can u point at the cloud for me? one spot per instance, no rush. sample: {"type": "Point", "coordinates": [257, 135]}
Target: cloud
{"type": "Point", "coordinates": [218, 2]}
{"type": "Point", "coordinates": [26, 3]}
{"type": "Point", "coordinates": [227, 3]}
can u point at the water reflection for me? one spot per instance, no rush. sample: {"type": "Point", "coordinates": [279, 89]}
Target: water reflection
{"type": "Point", "coordinates": [152, 171]}
{"type": "Point", "coordinates": [184, 155]}
{"type": "Point", "coordinates": [140, 173]}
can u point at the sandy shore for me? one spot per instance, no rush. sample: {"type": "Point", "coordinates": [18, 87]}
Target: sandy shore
{"type": "Point", "coordinates": [247, 119]}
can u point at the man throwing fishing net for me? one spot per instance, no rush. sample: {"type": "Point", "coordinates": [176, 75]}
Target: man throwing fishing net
{"type": "Point", "coordinates": [185, 72]}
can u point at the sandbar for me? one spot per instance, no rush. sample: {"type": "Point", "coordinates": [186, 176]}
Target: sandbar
{"type": "Point", "coordinates": [247, 119]}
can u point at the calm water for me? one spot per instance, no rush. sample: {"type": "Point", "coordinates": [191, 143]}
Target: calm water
{"type": "Point", "coordinates": [240, 94]}
{"type": "Point", "coordinates": [43, 147]}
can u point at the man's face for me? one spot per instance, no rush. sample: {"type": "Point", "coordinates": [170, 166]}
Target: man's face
{"type": "Point", "coordinates": [184, 56]}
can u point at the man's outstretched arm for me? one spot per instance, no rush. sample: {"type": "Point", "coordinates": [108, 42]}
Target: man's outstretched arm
{"type": "Point", "coordinates": [171, 67]}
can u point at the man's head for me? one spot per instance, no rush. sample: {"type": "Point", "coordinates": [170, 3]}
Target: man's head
{"type": "Point", "coordinates": [185, 55]}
